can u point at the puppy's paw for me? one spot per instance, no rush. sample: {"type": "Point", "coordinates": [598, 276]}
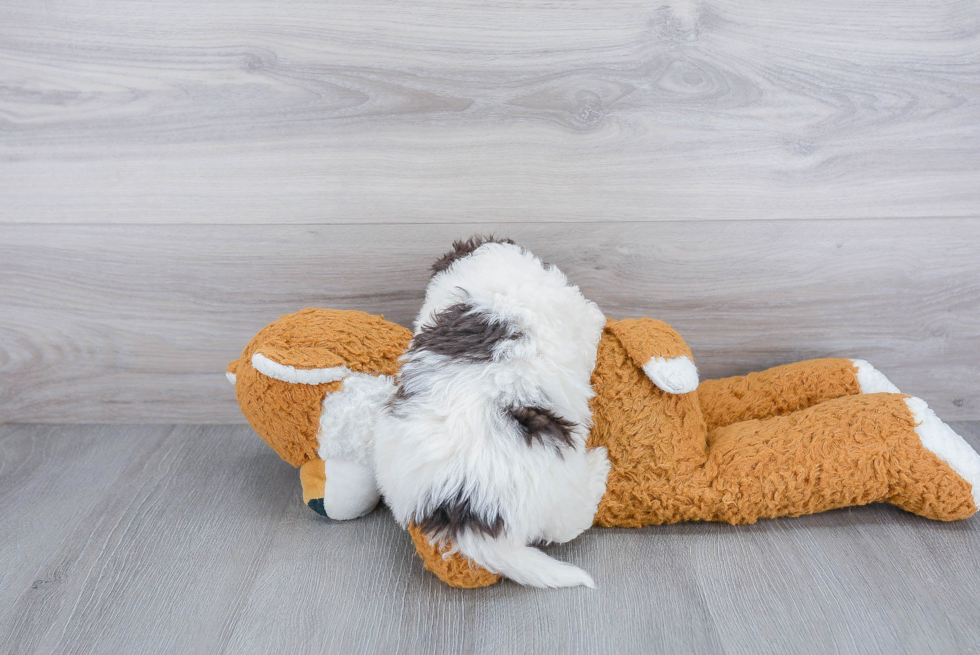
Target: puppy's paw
{"type": "Point", "coordinates": [674, 375]}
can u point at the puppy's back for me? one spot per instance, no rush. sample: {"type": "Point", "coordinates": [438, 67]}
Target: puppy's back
{"type": "Point", "coordinates": [484, 444]}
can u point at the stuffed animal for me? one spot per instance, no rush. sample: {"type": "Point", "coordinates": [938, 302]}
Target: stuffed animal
{"type": "Point", "coordinates": [792, 440]}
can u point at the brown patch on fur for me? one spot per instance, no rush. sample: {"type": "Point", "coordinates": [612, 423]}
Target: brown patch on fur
{"type": "Point", "coordinates": [455, 570]}
{"type": "Point", "coordinates": [464, 248]}
{"type": "Point", "coordinates": [287, 415]}
{"type": "Point", "coordinates": [462, 332]}
{"type": "Point", "coordinates": [454, 516]}
{"type": "Point", "coordinates": [399, 397]}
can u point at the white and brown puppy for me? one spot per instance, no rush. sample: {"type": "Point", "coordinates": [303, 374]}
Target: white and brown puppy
{"type": "Point", "coordinates": [484, 443]}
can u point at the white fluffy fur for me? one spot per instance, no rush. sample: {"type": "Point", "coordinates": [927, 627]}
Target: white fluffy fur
{"type": "Point", "coordinates": [871, 380]}
{"type": "Point", "coordinates": [278, 371]}
{"type": "Point", "coordinates": [346, 438]}
{"type": "Point", "coordinates": [942, 441]}
{"type": "Point", "coordinates": [348, 416]}
{"type": "Point", "coordinates": [674, 375]}
{"type": "Point", "coordinates": [451, 434]}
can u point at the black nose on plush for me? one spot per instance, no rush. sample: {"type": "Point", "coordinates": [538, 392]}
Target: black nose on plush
{"type": "Point", "coordinates": [316, 504]}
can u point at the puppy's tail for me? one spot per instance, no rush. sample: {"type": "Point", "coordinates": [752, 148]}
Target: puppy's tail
{"type": "Point", "coordinates": [523, 564]}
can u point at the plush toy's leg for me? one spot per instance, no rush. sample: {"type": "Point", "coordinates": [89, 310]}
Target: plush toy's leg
{"type": "Point", "coordinates": [786, 389]}
{"type": "Point", "coordinates": [849, 451]}
{"type": "Point", "coordinates": [455, 570]}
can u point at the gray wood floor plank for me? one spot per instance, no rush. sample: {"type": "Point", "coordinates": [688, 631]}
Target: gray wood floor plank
{"type": "Point", "coordinates": [155, 565]}
{"type": "Point", "coordinates": [380, 111]}
{"type": "Point", "coordinates": [136, 323]}
{"type": "Point", "coordinates": [50, 481]}
{"type": "Point", "coordinates": [194, 539]}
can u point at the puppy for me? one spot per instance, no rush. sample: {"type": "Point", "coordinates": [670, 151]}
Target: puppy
{"type": "Point", "coordinates": [483, 446]}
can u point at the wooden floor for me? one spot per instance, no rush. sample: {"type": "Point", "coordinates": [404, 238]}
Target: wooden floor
{"type": "Point", "coordinates": [131, 539]}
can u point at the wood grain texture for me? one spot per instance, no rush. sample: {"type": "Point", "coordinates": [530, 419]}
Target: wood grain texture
{"type": "Point", "coordinates": [137, 323]}
{"type": "Point", "coordinates": [435, 111]}
{"type": "Point", "coordinates": [194, 539]}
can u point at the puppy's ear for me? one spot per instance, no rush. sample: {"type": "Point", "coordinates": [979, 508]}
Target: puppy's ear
{"type": "Point", "coordinates": [300, 365]}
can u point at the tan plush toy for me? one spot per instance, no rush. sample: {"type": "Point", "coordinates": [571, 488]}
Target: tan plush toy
{"type": "Point", "coordinates": [792, 440]}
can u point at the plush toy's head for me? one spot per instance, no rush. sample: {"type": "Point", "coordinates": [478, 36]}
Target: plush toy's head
{"type": "Point", "coordinates": [311, 384]}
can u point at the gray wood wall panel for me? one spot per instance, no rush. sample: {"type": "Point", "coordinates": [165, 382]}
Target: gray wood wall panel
{"type": "Point", "coordinates": [136, 323]}
{"type": "Point", "coordinates": [191, 539]}
{"type": "Point", "coordinates": [433, 111]}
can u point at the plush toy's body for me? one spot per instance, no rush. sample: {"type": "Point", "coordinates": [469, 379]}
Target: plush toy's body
{"type": "Point", "coordinates": [792, 440]}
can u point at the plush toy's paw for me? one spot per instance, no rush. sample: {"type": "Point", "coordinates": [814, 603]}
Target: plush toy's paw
{"type": "Point", "coordinates": [674, 375]}
{"type": "Point", "coordinates": [871, 380]}
{"type": "Point", "coordinates": [940, 439]}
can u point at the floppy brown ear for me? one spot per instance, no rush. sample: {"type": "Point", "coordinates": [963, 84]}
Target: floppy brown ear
{"type": "Point", "coordinates": [646, 338]}
{"type": "Point", "coordinates": [306, 364]}
{"type": "Point", "coordinates": [656, 347]}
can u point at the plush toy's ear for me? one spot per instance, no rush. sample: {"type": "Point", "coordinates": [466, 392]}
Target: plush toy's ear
{"type": "Point", "coordinates": [657, 348]}
{"type": "Point", "coordinates": [300, 365]}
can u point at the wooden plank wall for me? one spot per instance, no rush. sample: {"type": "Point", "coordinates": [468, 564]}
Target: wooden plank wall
{"type": "Point", "coordinates": [778, 180]}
